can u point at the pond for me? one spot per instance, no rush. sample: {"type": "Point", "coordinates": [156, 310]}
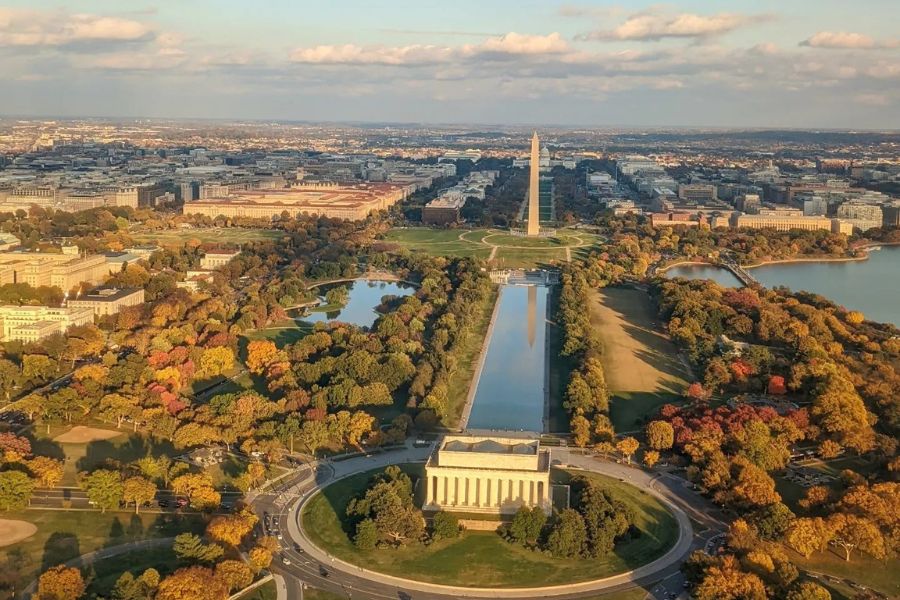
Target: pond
{"type": "Point", "coordinates": [510, 392]}
{"type": "Point", "coordinates": [364, 296]}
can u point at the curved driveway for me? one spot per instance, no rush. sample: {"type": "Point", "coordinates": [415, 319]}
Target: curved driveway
{"type": "Point", "coordinates": [313, 566]}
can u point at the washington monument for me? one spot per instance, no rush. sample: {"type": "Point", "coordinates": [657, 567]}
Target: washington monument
{"type": "Point", "coordinates": [534, 183]}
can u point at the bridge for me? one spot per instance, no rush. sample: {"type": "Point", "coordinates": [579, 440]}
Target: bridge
{"type": "Point", "coordinates": [740, 272]}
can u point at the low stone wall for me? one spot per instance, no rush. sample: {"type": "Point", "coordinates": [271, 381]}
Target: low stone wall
{"type": "Point", "coordinates": [479, 525]}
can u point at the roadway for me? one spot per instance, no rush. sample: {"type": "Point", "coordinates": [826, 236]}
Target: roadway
{"type": "Point", "coordinates": [700, 525]}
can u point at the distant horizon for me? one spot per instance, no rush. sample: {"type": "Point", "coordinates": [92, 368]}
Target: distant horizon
{"type": "Point", "coordinates": [438, 124]}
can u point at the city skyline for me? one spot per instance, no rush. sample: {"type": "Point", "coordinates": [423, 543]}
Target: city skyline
{"type": "Point", "coordinates": [685, 64]}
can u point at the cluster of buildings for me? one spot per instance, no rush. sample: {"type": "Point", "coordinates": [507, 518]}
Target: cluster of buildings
{"type": "Point", "coordinates": [759, 199]}
{"type": "Point", "coordinates": [446, 207]}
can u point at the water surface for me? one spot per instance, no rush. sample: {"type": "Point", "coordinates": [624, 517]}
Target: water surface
{"type": "Point", "coordinates": [870, 286]}
{"type": "Point", "coordinates": [510, 392]}
{"type": "Point", "coordinates": [364, 296]}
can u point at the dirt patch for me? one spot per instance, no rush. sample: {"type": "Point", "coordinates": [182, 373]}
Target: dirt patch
{"type": "Point", "coordinates": [82, 435]}
{"type": "Point", "coordinates": [12, 532]}
{"type": "Point", "coordinates": [636, 356]}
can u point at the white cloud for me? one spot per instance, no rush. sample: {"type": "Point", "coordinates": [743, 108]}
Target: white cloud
{"type": "Point", "coordinates": [657, 23]}
{"type": "Point", "coordinates": [844, 40]}
{"type": "Point", "coordinates": [508, 45]}
{"type": "Point", "coordinates": [872, 99]}
{"type": "Point", "coordinates": [56, 28]}
{"type": "Point", "coordinates": [517, 43]}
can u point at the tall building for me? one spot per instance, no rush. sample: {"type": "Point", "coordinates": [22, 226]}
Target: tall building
{"type": "Point", "coordinates": [534, 183]}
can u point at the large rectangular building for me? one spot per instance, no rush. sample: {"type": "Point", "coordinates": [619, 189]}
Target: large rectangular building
{"type": "Point", "coordinates": [108, 300]}
{"type": "Point", "coordinates": [32, 323]}
{"type": "Point", "coordinates": [62, 270]}
{"type": "Point", "coordinates": [354, 201]}
{"type": "Point", "coordinates": [789, 222]}
{"type": "Point", "coordinates": [488, 474]}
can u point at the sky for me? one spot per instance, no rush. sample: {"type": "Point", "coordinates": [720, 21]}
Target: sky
{"type": "Point", "coordinates": [692, 63]}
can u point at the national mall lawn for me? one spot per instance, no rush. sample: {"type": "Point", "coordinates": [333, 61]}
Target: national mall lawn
{"type": "Point", "coordinates": [484, 559]}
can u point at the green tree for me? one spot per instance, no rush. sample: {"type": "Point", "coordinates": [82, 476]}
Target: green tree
{"type": "Point", "coordinates": [568, 535]}
{"type": "Point", "coordinates": [15, 490]}
{"type": "Point", "coordinates": [366, 535]}
{"type": "Point", "coordinates": [444, 525]}
{"type": "Point", "coordinates": [104, 488]}
{"type": "Point", "coordinates": [190, 547]}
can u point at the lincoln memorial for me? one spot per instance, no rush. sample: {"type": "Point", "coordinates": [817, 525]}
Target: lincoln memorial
{"type": "Point", "coordinates": [488, 474]}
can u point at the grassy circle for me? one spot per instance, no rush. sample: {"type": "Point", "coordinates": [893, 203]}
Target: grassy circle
{"type": "Point", "coordinates": [506, 240]}
{"type": "Point", "coordinates": [484, 559]}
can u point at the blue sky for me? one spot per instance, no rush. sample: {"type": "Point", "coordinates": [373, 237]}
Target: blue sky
{"type": "Point", "coordinates": [796, 63]}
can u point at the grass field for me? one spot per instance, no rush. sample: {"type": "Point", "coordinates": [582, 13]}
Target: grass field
{"type": "Point", "coordinates": [282, 333]}
{"type": "Point", "coordinates": [126, 447]}
{"type": "Point", "coordinates": [64, 535]}
{"type": "Point", "coordinates": [641, 365]}
{"type": "Point", "coordinates": [483, 558]}
{"type": "Point", "coordinates": [225, 235]}
{"type": "Point", "coordinates": [881, 575]}
{"type": "Point", "coordinates": [509, 251]}
{"type": "Point", "coordinates": [467, 357]}
{"type": "Point", "coordinates": [267, 591]}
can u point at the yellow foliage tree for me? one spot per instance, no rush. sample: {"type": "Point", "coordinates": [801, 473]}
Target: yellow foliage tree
{"type": "Point", "coordinates": [61, 583]}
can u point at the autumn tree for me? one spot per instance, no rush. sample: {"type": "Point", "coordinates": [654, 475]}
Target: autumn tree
{"type": "Point", "coordinates": [727, 581]}
{"type": "Point", "coordinates": [660, 435]}
{"type": "Point", "coordinates": [235, 574]}
{"type": "Point", "coordinates": [198, 489]}
{"type": "Point", "coordinates": [48, 472]}
{"type": "Point", "coordinates": [808, 535]}
{"type": "Point", "coordinates": [651, 457]}
{"type": "Point", "coordinates": [850, 532]}
{"type": "Point", "coordinates": [192, 583]}
{"type": "Point", "coordinates": [231, 529]}
{"type": "Point", "coordinates": [61, 583]}
{"type": "Point", "coordinates": [260, 353]}
{"type": "Point", "coordinates": [627, 446]}
{"type": "Point", "coordinates": [809, 590]}
{"type": "Point", "coordinates": [139, 491]}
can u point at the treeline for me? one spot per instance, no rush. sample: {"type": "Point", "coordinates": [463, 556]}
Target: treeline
{"type": "Point", "coordinates": [590, 528]}
{"type": "Point", "coordinates": [210, 567]}
{"type": "Point", "coordinates": [796, 343]}
{"type": "Point", "coordinates": [586, 396]}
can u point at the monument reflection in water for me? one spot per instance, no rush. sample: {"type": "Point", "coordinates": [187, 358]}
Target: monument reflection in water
{"type": "Point", "coordinates": [510, 392]}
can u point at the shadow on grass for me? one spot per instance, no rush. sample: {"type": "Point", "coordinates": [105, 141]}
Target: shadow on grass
{"type": "Point", "coordinates": [107, 452]}
{"type": "Point", "coordinates": [59, 547]}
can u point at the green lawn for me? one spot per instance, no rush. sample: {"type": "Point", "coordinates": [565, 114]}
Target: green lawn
{"type": "Point", "coordinates": [483, 558]}
{"type": "Point", "coordinates": [282, 333]}
{"type": "Point", "coordinates": [629, 410]}
{"type": "Point", "coordinates": [64, 535]}
{"type": "Point", "coordinates": [127, 447]}
{"type": "Point", "coordinates": [267, 591]}
{"type": "Point", "coordinates": [881, 575]}
{"type": "Point", "coordinates": [520, 241]}
{"type": "Point", "coordinates": [467, 357]}
{"type": "Point", "coordinates": [515, 258]}
{"type": "Point", "coordinates": [107, 572]}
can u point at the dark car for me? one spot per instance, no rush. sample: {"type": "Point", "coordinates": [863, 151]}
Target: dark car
{"type": "Point", "coordinates": [163, 503]}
